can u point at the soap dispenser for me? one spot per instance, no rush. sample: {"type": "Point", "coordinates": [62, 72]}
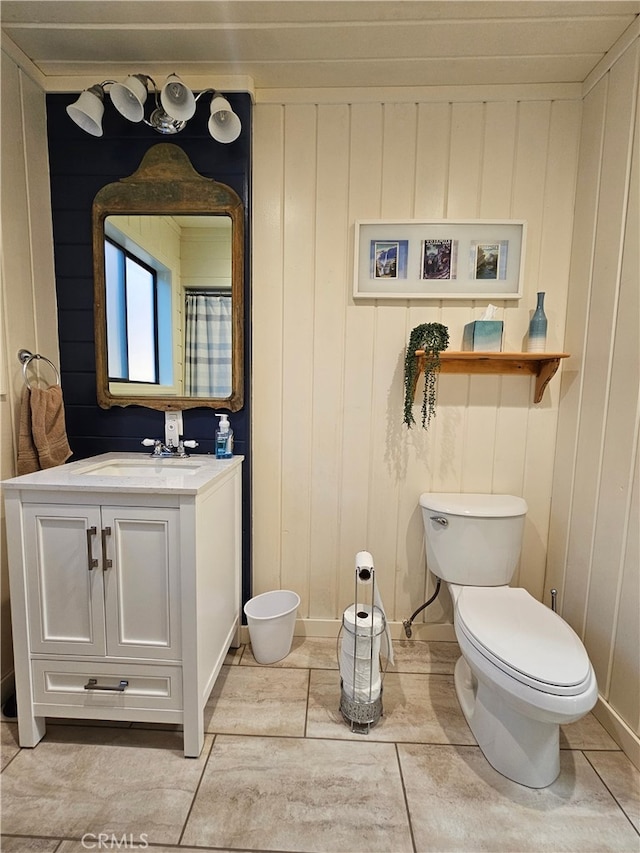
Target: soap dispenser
{"type": "Point", "coordinates": [224, 438]}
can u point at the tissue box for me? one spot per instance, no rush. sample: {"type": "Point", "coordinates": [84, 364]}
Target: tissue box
{"type": "Point", "coordinates": [483, 336]}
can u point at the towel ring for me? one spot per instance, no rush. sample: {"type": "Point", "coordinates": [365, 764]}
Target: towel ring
{"type": "Point", "coordinates": [27, 357]}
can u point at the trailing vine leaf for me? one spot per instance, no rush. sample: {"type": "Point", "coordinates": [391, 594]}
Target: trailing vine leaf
{"type": "Point", "coordinates": [433, 338]}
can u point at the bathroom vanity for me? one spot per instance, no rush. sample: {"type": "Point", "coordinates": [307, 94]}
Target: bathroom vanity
{"type": "Point", "coordinates": [125, 577]}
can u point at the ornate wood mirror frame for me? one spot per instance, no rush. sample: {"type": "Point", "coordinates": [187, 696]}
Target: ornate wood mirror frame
{"type": "Point", "coordinates": [167, 184]}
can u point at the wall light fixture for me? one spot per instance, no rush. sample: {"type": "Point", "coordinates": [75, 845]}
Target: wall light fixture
{"type": "Point", "coordinates": [173, 106]}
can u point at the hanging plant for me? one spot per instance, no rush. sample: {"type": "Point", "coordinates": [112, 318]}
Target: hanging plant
{"type": "Point", "coordinates": [433, 338]}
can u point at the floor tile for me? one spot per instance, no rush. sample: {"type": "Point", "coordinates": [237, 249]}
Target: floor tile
{"type": "Point", "coordinates": [256, 700]}
{"type": "Point", "coordinates": [303, 795]}
{"type": "Point", "coordinates": [416, 708]}
{"type": "Point", "coordinates": [306, 653]}
{"type": "Point", "coordinates": [587, 733]}
{"type": "Point", "coordinates": [79, 847]}
{"type": "Point", "coordinates": [409, 655]}
{"type": "Point", "coordinates": [622, 779]}
{"type": "Point", "coordinates": [282, 776]}
{"type": "Point", "coordinates": [234, 656]}
{"type": "Point", "coordinates": [80, 779]}
{"type": "Point", "coordinates": [420, 656]}
{"type": "Point", "coordinates": [20, 844]}
{"type": "Point", "coordinates": [8, 743]}
{"type": "Point", "coordinates": [458, 802]}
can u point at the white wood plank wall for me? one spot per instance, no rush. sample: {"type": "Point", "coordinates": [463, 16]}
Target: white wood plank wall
{"type": "Point", "coordinates": [335, 469]}
{"type": "Point", "coordinates": [594, 552]}
{"type": "Point", "coordinates": [27, 283]}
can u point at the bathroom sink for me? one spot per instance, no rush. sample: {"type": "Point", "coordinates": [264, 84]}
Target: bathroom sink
{"type": "Point", "coordinates": [144, 468]}
{"type": "Point", "coordinates": [131, 473]}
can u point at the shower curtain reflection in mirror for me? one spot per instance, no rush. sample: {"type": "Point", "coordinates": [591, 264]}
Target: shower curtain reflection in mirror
{"type": "Point", "coordinates": [208, 344]}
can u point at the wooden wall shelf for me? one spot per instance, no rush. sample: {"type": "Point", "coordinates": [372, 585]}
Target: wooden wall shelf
{"type": "Point", "coordinates": [542, 365]}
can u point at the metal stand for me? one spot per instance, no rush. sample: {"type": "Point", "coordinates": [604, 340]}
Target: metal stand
{"type": "Point", "coordinates": [360, 714]}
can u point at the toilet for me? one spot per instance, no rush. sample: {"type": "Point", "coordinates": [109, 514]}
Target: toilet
{"type": "Point", "coordinates": [523, 670]}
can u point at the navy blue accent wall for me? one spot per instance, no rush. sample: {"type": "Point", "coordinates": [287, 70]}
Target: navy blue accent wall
{"type": "Point", "coordinates": [80, 165]}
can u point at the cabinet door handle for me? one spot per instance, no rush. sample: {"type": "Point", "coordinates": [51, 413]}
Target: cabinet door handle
{"type": "Point", "coordinates": [92, 684]}
{"type": "Point", "coordinates": [106, 564]}
{"type": "Point", "coordinates": [92, 562]}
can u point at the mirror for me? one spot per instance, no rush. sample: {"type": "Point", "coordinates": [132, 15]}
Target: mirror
{"type": "Point", "coordinates": [168, 249]}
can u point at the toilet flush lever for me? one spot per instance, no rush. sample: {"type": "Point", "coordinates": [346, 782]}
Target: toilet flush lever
{"type": "Point", "coordinates": [440, 520]}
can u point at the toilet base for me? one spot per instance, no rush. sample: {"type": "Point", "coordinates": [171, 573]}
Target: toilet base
{"type": "Point", "coordinates": [519, 747]}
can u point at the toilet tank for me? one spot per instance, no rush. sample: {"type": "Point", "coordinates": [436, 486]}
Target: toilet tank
{"type": "Point", "coordinates": [473, 539]}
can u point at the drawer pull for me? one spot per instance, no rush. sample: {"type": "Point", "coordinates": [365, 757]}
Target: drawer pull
{"type": "Point", "coordinates": [92, 684]}
{"type": "Point", "coordinates": [92, 562]}
{"type": "Point", "coordinates": [106, 564]}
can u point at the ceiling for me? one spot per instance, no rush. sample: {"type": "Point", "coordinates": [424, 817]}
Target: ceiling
{"type": "Point", "coordinates": [69, 44]}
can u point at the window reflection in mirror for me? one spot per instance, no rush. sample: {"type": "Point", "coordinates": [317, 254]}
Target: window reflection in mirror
{"type": "Point", "coordinates": [169, 305]}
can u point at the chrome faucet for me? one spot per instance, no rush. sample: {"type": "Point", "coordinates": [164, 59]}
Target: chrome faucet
{"type": "Point", "coordinates": [164, 451]}
{"type": "Point", "coordinates": [173, 445]}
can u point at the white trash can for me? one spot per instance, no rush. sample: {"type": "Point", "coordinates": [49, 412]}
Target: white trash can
{"type": "Point", "coordinates": [271, 618]}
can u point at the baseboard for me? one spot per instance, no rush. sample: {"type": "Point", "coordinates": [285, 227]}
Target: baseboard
{"type": "Point", "coordinates": [625, 737]}
{"type": "Point", "coordinates": [329, 628]}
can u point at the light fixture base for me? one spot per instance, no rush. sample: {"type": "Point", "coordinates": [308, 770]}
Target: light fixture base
{"type": "Point", "coordinates": [163, 123]}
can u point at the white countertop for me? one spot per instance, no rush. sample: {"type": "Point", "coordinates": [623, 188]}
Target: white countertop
{"type": "Point", "coordinates": [166, 476]}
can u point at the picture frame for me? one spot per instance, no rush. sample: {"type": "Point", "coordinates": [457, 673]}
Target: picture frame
{"type": "Point", "coordinates": [439, 259]}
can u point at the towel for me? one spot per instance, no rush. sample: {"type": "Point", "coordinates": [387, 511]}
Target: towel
{"type": "Point", "coordinates": [42, 438]}
{"type": "Point", "coordinates": [27, 453]}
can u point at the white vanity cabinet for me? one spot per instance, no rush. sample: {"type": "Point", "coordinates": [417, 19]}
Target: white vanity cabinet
{"type": "Point", "coordinates": [103, 580]}
{"type": "Point", "coordinates": [125, 591]}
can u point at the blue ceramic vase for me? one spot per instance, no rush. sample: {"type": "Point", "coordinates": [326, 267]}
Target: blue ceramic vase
{"type": "Point", "coordinates": [538, 328]}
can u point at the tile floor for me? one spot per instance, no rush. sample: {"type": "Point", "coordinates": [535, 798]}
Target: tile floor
{"type": "Point", "coordinates": [281, 771]}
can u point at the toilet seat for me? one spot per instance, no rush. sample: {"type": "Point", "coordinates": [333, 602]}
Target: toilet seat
{"type": "Point", "coordinates": [523, 638]}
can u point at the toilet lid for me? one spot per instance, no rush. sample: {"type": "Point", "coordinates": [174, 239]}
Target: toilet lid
{"type": "Point", "coordinates": [523, 637]}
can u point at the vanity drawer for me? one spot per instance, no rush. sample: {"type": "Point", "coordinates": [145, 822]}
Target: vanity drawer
{"type": "Point", "coordinates": [107, 685]}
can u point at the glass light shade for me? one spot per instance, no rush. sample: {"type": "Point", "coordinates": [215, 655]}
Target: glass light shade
{"type": "Point", "coordinates": [129, 97]}
{"type": "Point", "coordinates": [177, 99]}
{"type": "Point", "coordinates": [224, 125]}
{"type": "Point", "coordinates": [88, 110]}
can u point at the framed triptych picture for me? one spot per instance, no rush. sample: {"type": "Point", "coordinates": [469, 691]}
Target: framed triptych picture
{"type": "Point", "coordinates": [439, 259]}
